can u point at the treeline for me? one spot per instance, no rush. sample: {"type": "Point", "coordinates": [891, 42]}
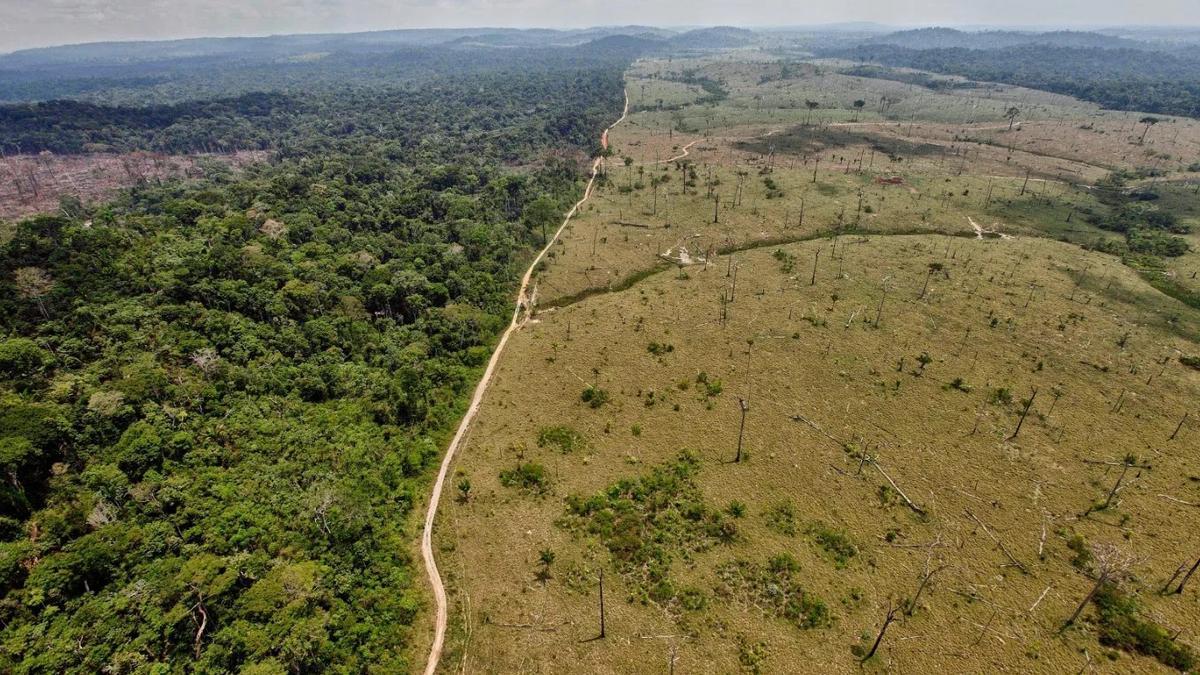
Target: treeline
{"type": "Point", "coordinates": [219, 400]}
{"type": "Point", "coordinates": [182, 79]}
{"type": "Point", "coordinates": [1119, 79]}
{"type": "Point", "coordinates": [504, 114]}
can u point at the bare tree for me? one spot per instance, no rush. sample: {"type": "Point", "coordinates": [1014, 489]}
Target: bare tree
{"type": "Point", "coordinates": [34, 283]}
{"type": "Point", "coordinates": [1111, 565]}
{"type": "Point", "coordinates": [887, 621]}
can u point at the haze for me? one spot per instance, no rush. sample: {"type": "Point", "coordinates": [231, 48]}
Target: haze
{"type": "Point", "coordinates": [26, 24]}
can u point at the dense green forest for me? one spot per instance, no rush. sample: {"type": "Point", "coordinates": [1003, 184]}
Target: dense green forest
{"type": "Point", "coordinates": [1117, 78]}
{"type": "Point", "coordinates": [219, 399]}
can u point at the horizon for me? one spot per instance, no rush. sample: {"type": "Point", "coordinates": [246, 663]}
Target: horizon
{"type": "Point", "coordinates": [75, 22]}
{"type": "Point", "coordinates": [832, 26]}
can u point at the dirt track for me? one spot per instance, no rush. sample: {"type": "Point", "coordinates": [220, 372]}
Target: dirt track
{"type": "Point", "coordinates": [521, 313]}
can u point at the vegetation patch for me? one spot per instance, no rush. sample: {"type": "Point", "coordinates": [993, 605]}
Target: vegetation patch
{"type": "Point", "coordinates": [807, 140]}
{"type": "Point", "coordinates": [782, 518]}
{"type": "Point", "coordinates": [648, 522]}
{"type": "Point", "coordinates": [836, 543]}
{"type": "Point", "coordinates": [774, 588]}
{"type": "Point", "coordinates": [1121, 627]}
{"type": "Point", "coordinates": [594, 396]}
{"type": "Point", "coordinates": [564, 438]}
{"type": "Point", "coordinates": [527, 476]}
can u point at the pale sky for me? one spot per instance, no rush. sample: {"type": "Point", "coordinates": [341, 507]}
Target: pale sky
{"type": "Point", "coordinates": [29, 23]}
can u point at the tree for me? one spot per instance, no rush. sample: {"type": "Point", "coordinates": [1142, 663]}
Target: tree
{"type": "Point", "coordinates": [1149, 122]}
{"type": "Point", "coordinates": [811, 105]}
{"type": "Point", "coordinates": [34, 283]}
{"type": "Point", "coordinates": [541, 213]}
{"type": "Point", "coordinates": [1011, 115]}
{"type": "Point", "coordinates": [1111, 565]}
{"type": "Point", "coordinates": [858, 106]}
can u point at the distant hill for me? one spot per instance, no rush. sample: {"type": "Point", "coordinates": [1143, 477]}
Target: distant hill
{"type": "Point", "coordinates": [950, 38]}
{"type": "Point", "coordinates": [274, 47]}
{"type": "Point", "coordinates": [720, 37]}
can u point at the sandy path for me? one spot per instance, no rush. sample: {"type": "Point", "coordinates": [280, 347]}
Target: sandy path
{"type": "Point", "coordinates": [520, 315]}
{"type": "Point", "coordinates": [669, 159]}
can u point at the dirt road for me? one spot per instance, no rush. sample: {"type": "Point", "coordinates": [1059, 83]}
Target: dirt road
{"type": "Point", "coordinates": [520, 314]}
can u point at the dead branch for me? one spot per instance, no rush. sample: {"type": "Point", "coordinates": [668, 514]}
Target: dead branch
{"type": "Point", "coordinates": [999, 543]}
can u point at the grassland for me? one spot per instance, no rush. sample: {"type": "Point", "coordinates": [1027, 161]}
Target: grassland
{"type": "Point", "coordinates": [885, 343]}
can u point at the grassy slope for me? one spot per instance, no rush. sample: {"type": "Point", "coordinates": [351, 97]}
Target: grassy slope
{"type": "Point", "coordinates": [1060, 313]}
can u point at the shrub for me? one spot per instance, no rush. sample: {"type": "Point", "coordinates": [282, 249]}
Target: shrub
{"type": "Point", "coordinates": [658, 349]}
{"type": "Point", "coordinates": [647, 522]}
{"type": "Point", "coordinates": [1190, 361]}
{"type": "Point", "coordinates": [529, 476]}
{"type": "Point", "coordinates": [959, 384]}
{"type": "Point", "coordinates": [564, 438]}
{"type": "Point", "coordinates": [782, 518]}
{"type": "Point", "coordinates": [1121, 627]}
{"type": "Point", "coordinates": [774, 588]}
{"type": "Point", "coordinates": [594, 396]}
{"type": "Point", "coordinates": [834, 542]}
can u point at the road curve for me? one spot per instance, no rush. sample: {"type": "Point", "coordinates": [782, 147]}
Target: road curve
{"type": "Point", "coordinates": [520, 314]}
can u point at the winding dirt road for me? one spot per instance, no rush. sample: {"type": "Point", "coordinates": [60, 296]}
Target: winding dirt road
{"type": "Point", "coordinates": [681, 155]}
{"type": "Point", "coordinates": [521, 314]}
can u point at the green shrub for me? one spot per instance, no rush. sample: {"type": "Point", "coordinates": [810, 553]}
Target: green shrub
{"type": "Point", "coordinates": [647, 522]}
{"type": "Point", "coordinates": [594, 396]}
{"type": "Point", "coordinates": [529, 476]}
{"type": "Point", "coordinates": [782, 518]}
{"type": "Point", "coordinates": [774, 588]}
{"type": "Point", "coordinates": [836, 543]}
{"type": "Point", "coordinates": [564, 438]}
{"type": "Point", "coordinates": [658, 348]}
{"type": "Point", "coordinates": [1121, 627]}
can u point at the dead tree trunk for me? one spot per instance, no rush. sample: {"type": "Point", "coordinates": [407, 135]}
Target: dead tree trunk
{"type": "Point", "coordinates": [1183, 582]}
{"type": "Point", "coordinates": [1021, 422]}
{"type": "Point", "coordinates": [1086, 599]}
{"type": "Point", "coordinates": [891, 616]}
{"type": "Point", "coordinates": [912, 604]}
{"type": "Point", "coordinates": [745, 405]}
{"type": "Point", "coordinates": [1178, 427]}
{"type": "Point", "coordinates": [602, 632]}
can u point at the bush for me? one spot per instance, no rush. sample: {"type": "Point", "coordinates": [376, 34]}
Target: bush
{"type": "Point", "coordinates": [658, 349]}
{"type": "Point", "coordinates": [647, 522]}
{"type": "Point", "coordinates": [834, 542]}
{"type": "Point", "coordinates": [782, 518]}
{"type": "Point", "coordinates": [1190, 361]}
{"type": "Point", "coordinates": [594, 396]}
{"type": "Point", "coordinates": [774, 588]}
{"type": "Point", "coordinates": [529, 476]}
{"type": "Point", "coordinates": [1121, 627]}
{"type": "Point", "coordinates": [565, 439]}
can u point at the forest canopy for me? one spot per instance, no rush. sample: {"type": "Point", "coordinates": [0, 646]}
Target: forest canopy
{"type": "Point", "coordinates": [219, 398]}
{"type": "Point", "coordinates": [1117, 78]}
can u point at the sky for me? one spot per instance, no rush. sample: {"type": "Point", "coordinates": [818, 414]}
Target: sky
{"type": "Point", "coordinates": [32, 23]}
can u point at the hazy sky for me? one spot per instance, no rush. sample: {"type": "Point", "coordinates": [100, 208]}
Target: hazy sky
{"type": "Point", "coordinates": [26, 23]}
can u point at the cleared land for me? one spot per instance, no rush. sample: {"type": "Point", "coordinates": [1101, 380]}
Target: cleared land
{"type": "Point", "coordinates": [885, 343]}
{"type": "Point", "coordinates": [32, 184]}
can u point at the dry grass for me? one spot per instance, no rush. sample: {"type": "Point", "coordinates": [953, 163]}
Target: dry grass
{"type": "Point", "coordinates": [825, 385]}
{"type": "Point", "coordinates": [805, 361]}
